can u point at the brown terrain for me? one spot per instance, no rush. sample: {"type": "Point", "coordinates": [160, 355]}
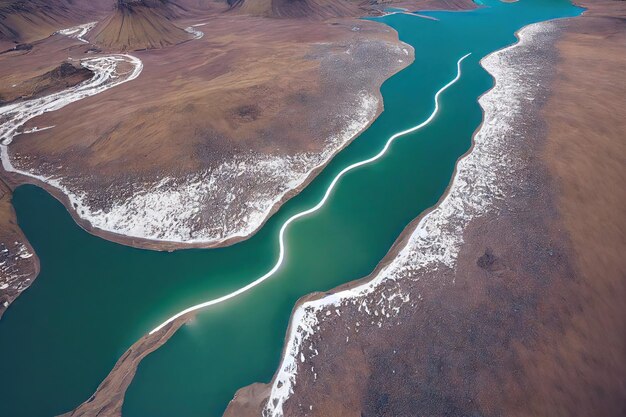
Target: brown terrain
{"type": "Point", "coordinates": [138, 24]}
{"type": "Point", "coordinates": [530, 322]}
{"type": "Point", "coordinates": [326, 9]}
{"type": "Point", "coordinates": [19, 265]}
{"type": "Point", "coordinates": [23, 21]}
{"type": "Point", "coordinates": [215, 134]}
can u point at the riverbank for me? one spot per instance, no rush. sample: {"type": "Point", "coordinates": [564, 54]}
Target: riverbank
{"type": "Point", "coordinates": [210, 189]}
{"type": "Point", "coordinates": [109, 397]}
{"type": "Point", "coordinates": [491, 318]}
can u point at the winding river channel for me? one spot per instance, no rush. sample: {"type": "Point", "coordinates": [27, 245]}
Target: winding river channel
{"type": "Point", "coordinates": [94, 298]}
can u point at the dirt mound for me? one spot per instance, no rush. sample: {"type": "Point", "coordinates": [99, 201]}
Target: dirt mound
{"type": "Point", "coordinates": [140, 24]}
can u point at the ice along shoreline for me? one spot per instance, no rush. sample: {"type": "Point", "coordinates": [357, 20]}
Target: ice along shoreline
{"type": "Point", "coordinates": [426, 244]}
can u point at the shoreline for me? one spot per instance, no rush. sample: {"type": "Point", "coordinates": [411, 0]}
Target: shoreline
{"type": "Point", "coordinates": [369, 282]}
{"type": "Point", "coordinates": [15, 179]}
{"type": "Point", "coordinates": [245, 395]}
{"type": "Point", "coordinates": [112, 376]}
{"type": "Point", "coordinates": [73, 202]}
{"type": "Point", "coordinates": [399, 244]}
{"type": "Point", "coordinates": [321, 203]}
{"type": "Point", "coordinates": [12, 258]}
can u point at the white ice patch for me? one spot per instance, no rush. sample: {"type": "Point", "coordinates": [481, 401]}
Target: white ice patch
{"type": "Point", "coordinates": [438, 237]}
{"type": "Point", "coordinates": [174, 209]}
{"type": "Point", "coordinates": [231, 200]}
{"type": "Point", "coordinates": [197, 34]}
{"type": "Point", "coordinates": [78, 32]}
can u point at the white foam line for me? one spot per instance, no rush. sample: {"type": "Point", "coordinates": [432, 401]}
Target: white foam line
{"type": "Point", "coordinates": [408, 13]}
{"type": "Point", "coordinates": [423, 16]}
{"type": "Point", "coordinates": [281, 234]}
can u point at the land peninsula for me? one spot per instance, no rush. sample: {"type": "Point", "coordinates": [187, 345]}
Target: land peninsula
{"type": "Point", "coordinates": [217, 132]}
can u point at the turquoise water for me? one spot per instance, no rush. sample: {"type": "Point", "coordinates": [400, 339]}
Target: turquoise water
{"type": "Point", "coordinates": [94, 298]}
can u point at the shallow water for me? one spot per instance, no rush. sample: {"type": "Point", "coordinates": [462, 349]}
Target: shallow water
{"type": "Point", "coordinates": [63, 335]}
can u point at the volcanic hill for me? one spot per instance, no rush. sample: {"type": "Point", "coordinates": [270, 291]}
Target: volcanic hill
{"type": "Point", "coordinates": [140, 24]}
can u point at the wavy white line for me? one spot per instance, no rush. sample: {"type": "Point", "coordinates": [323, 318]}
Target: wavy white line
{"type": "Point", "coordinates": [315, 208]}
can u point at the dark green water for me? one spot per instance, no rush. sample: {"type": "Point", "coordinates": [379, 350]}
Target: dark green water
{"type": "Point", "coordinates": [93, 298]}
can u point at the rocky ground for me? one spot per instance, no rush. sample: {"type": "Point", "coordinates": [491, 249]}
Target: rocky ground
{"type": "Point", "coordinates": [507, 299]}
{"type": "Point", "coordinates": [216, 132]}
{"type": "Point", "coordinates": [19, 265]}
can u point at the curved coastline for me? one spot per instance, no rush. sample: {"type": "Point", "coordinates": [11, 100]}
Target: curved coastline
{"type": "Point", "coordinates": [397, 243]}
{"type": "Point", "coordinates": [304, 317]}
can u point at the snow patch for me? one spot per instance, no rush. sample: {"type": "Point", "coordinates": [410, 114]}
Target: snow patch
{"type": "Point", "coordinates": [78, 32]}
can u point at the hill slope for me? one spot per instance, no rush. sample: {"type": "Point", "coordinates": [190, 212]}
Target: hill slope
{"type": "Point", "coordinates": [140, 24]}
{"type": "Point", "coordinates": [28, 20]}
{"type": "Point", "coordinates": [316, 9]}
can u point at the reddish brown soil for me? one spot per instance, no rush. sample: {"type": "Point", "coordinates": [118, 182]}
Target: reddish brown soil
{"type": "Point", "coordinates": [109, 397]}
{"type": "Point", "coordinates": [200, 92]}
{"type": "Point", "coordinates": [254, 67]}
{"type": "Point", "coordinates": [249, 85]}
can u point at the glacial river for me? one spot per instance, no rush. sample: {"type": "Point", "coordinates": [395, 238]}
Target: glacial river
{"type": "Point", "coordinates": [94, 298]}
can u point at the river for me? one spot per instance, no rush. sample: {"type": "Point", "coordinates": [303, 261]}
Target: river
{"type": "Point", "coordinates": [94, 298]}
